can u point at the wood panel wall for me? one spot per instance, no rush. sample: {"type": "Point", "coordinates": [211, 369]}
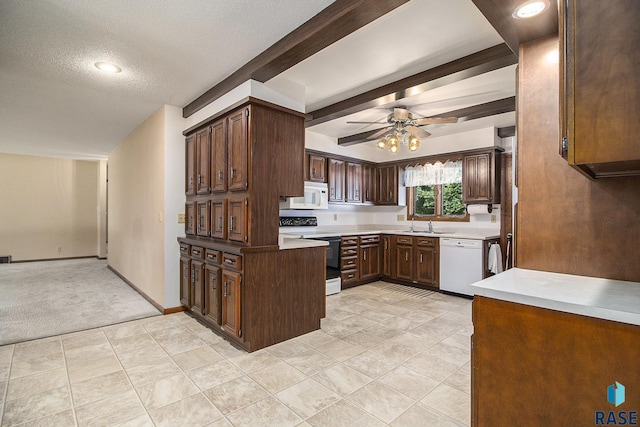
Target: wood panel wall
{"type": "Point", "coordinates": [566, 222]}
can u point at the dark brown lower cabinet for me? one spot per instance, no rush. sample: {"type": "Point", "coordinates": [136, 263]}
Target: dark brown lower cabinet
{"type": "Point", "coordinates": [231, 302]}
{"type": "Point", "coordinates": [387, 256]}
{"type": "Point", "coordinates": [404, 258]}
{"type": "Point", "coordinates": [427, 262]}
{"type": "Point", "coordinates": [185, 281]}
{"type": "Point", "coordinates": [370, 261]}
{"type": "Point", "coordinates": [213, 287]}
{"type": "Point", "coordinates": [197, 288]}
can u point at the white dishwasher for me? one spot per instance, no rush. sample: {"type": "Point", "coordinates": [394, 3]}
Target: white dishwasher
{"type": "Point", "coordinates": [460, 264]}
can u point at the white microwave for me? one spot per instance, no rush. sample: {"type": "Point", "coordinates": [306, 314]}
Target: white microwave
{"type": "Point", "coordinates": [316, 196]}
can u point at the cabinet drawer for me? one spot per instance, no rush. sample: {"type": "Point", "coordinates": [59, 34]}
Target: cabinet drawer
{"type": "Point", "coordinates": [185, 249]}
{"type": "Point", "coordinates": [232, 261]}
{"type": "Point", "coordinates": [427, 241]}
{"type": "Point", "coordinates": [365, 240]}
{"type": "Point", "coordinates": [401, 240]}
{"type": "Point", "coordinates": [197, 252]}
{"type": "Point", "coordinates": [349, 276]}
{"type": "Point", "coordinates": [348, 263]}
{"type": "Point", "coordinates": [213, 256]}
{"type": "Point", "coordinates": [349, 241]}
{"type": "Point", "coordinates": [349, 251]}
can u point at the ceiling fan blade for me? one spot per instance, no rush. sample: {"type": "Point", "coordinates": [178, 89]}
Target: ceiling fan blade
{"type": "Point", "coordinates": [367, 123]}
{"type": "Point", "coordinates": [435, 120]}
{"type": "Point", "coordinates": [379, 133]}
{"type": "Point", "coordinates": [420, 133]}
{"type": "Point", "coordinates": [400, 113]}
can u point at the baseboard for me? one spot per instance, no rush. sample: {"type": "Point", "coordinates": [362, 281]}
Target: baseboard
{"type": "Point", "coordinates": [135, 288]}
{"type": "Point", "coordinates": [172, 310]}
{"type": "Point", "coordinates": [53, 259]}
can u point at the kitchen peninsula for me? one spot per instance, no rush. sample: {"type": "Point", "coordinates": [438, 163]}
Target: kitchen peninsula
{"type": "Point", "coordinates": [547, 346]}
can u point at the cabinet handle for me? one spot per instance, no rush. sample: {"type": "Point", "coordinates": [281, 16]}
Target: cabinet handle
{"type": "Point", "coordinates": [233, 172]}
{"type": "Point", "coordinates": [406, 256]}
{"type": "Point", "coordinates": [199, 179]}
{"type": "Point", "coordinates": [420, 258]}
{"type": "Point", "coordinates": [229, 261]}
{"type": "Point", "coordinates": [226, 289]}
{"type": "Point", "coordinates": [219, 227]}
{"type": "Point", "coordinates": [213, 284]}
{"type": "Point", "coordinates": [190, 181]}
{"type": "Point", "coordinates": [386, 245]}
{"type": "Point", "coordinates": [390, 195]}
{"type": "Point", "coordinates": [231, 223]}
{"type": "Point", "coordinates": [193, 275]}
{"type": "Point", "coordinates": [364, 256]}
{"type": "Point", "coordinates": [220, 175]}
{"type": "Point", "coordinates": [314, 172]}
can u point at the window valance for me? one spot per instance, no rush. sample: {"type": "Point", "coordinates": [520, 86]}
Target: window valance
{"type": "Point", "coordinates": [433, 174]}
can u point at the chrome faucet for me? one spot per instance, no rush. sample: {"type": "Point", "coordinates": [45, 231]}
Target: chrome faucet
{"type": "Point", "coordinates": [430, 227]}
{"type": "Point", "coordinates": [412, 225]}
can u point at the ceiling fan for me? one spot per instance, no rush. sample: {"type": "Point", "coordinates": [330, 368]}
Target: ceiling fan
{"type": "Point", "coordinates": [403, 128]}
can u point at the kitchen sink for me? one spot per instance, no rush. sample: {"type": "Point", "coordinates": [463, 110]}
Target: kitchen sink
{"type": "Point", "coordinates": [428, 232]}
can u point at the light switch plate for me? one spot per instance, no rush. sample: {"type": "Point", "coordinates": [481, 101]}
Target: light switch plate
{"type": "Point", "coordinates": [181, 218]}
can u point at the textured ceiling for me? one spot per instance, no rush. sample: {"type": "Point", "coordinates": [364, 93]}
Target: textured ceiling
{"type": "Point", "coordinates": [55, 103]}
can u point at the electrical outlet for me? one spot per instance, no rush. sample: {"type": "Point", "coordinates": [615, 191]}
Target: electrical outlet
{"type": "Point", "coordinates": [182, 218]}
{"type": "Point", "coordinates": [335, 217]}
{"type": "Point", "coordinates": [59, 248]}
{"type": "Point", "coordinates": [400, 217]}
{"type": "Point", "coordinates": [493, 219]}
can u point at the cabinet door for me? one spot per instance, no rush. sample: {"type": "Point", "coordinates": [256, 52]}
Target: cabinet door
{"type": "Point", "coordinates": [185, 282]}
{"type": "Point", "coordinates": [213, 293]}
{"type": "Point", "coordinates": [202, 221]}
{"type": "Point", "coordinates": [426, 269]}
{"type": "Point", "coordinates": [189, 218]}
{"type": "Point", "coordinates": [317, 168]}
{"type": "Point", "coordinates": [386, 256]}
{"type": "Point", "coordinates": [238, 221]}
{"type": "Point", "coordinates": [219, 156]}
{"type": "Point", "coordinates": [368, 184]}
{"type": "Point", "coordinates": [477, 178]}
{"type": "Point", "coordinates": [190, 165]}
{"type": "Point", "coordinates": [238, 150]}
{"type": "Point", "coordinates": [203, 158]}
{"type": "Point", "coordinates": [370, 262]}
{"type": "Point", "coordinates": [336, 180]}
{"type": "Point", "coordinates": [197, 288]}
{"type": "Point", "coordinates": [219, 219]}
{"type": "Point", "coordinates": [354, 182]}
{"type": "Point", "coordinates": [387, 185]}
{"type": "Point", "coordinates": [231, 302]}
{"type": "Point", "coordinates": [404, 262]}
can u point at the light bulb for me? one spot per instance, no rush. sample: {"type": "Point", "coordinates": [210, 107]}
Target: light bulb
{"type": "Point", "coordinates": [414, 141]}
{"type": "Point", "coordinates": [382, 144]}
{"type": "Point", "coordinates": [393, 148]}
{"type": "Point", "coordinates": [393, 142]}
{"type": "Point", "coordinates": [530, 9]}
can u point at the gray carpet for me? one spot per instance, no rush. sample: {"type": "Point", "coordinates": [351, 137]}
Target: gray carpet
{"type": "Point", "coordinates": [42, 299]}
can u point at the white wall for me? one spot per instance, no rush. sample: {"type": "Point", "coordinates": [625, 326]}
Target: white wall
{"type": "Point", "coordinates": [174, 164]}
{"type": "Point", "coordinates": [47, 207]}
{"type": "Point", "coordinates": [136, 207]}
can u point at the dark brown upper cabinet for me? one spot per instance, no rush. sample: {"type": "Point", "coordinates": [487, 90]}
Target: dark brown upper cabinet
{"type": "Point", "coordinates": [481, 178]}
{"type": "Point", "coordinates": [600, 86]}
{"type": "Point", "coordinates": [317, 168]}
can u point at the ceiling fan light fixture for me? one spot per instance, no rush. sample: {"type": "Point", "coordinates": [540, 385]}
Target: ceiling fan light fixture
{"type": "Point", "coordinates": [530, 8]}
{"type": "Point", "coordinates": [393, 142]}
{"type": "Point", "coordinates": [382, 144]}
{"type": "Point", "coordinates": [393, 148]}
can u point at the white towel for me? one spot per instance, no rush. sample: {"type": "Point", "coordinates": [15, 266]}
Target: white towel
{"type": "Point", "coordinates": [494, 262]}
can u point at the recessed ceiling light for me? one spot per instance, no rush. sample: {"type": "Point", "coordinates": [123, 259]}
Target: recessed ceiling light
{"type": "Point", "coordinates": [108, 67]}
{"type": "Point", "coordinates": [531, 8]}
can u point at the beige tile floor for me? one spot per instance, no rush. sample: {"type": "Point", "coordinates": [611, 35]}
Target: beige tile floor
{"type": "Point", "coordinates": [382, 357]}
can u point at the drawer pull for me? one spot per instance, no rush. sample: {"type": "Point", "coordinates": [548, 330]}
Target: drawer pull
{"type": "Point", "coordinates": [229, 261]}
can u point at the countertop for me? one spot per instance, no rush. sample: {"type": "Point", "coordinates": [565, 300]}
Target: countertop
{"type": "Point", "coordinates": [460, 233]}
{"type": "Point", "coordinates": [588, 296]}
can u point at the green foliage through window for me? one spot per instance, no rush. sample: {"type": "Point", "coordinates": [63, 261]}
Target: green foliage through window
{"type": "Point", "coordinates": [443, 200]}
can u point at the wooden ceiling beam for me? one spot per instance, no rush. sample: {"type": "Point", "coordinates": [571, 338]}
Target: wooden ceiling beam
{"type": "Point", "coordinates": [479, 111]}
{"type": "Point", "coordinates": [516, 31]}
{"type": "Point", "coordinates": [478, 63]}
{"type": "Point", "coordinates": [336, 21]}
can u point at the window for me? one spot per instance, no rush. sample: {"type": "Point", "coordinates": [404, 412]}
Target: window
{"type": "Point", "coordinates": [434, 191]}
